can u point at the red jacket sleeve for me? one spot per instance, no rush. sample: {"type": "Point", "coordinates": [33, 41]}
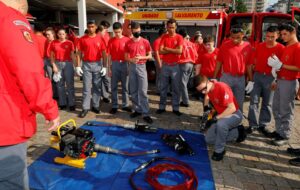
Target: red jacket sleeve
{"type": "Point", "coordinates": [24, 63]}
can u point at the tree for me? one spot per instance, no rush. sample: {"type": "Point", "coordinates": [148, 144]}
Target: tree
{"type": "Point", "coordinates": [237, 6]}
{"type": "Point", "coordinates": [240, 6]}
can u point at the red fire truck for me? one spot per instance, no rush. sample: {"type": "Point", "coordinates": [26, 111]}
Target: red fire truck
{"type": "Point", "coordinates": [213, 22]}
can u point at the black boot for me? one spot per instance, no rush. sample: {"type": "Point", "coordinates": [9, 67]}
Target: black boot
{"type": "Point", "coordinates": [294, 151]}
{"type": "Point", "coordinates": [242, 134]}
{"type": "Point", "coordinates": [218, 156]}
{"type": "Point", "coordinates": [295, 161]}
{"type": "Point", "coordinates": [83, 113]}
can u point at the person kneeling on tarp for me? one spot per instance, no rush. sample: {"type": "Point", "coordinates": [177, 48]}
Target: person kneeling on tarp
{"type": "Point", "coordinates": [225, 124]}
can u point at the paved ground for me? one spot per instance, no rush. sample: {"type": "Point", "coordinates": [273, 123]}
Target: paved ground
{"type": "Point", "coordinates": [253, 165]}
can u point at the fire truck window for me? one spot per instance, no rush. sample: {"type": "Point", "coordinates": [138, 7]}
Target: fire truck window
{"type": "Point", "coordinates": [297, 22]}
{"type": "Point", "coordinates": [271, 21]}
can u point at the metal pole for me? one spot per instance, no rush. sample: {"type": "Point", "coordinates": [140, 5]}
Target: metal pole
{"type": "Point", "coordinates": [288, 6]}
{"type": "Point", "coordinates": [81, 4]}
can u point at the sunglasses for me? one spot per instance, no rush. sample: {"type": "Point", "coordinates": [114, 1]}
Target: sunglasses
{"type": "Point", "coordinates": [205, 88]}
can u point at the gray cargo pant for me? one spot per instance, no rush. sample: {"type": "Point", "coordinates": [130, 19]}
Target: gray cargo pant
{"type": "Point", "coordinates": [158, 79]}
{"type": "Point", "coordinates": [185, 73]}
{"type": "Point", "coordinates": [138, 80]}
{"type": "Point", "coordinates": [91, 84]}
{"type": "Point", "coordinates": [173, 72]}
{"type": "Point", "coordinates": [237, 85]}
{"type": "Point", "coordinates": [66, 97]}
{"type": "Point", "coordinates": [262, 88]}
{"type": "Point", "coordinates": [13, 172]}
{"type": "Point", "coordinates": [283, 106]}
{"type": "Point", "coordinates": [49, 73]}
{"type": "Point", "coordinates": [224, 130]}
{"type": "Point", "coordinates": [48, 68]}
{"type": "Point", "coordinates": [119, 73]}
{"type": "Point", "coordinates": [105, 86]}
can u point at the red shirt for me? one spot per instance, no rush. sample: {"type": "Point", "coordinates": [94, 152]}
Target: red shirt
{"type": "Point", "coordinates": [41, 40]}
{"type": "Point", "coordinates": [200, 50]}
{"type": "Point", "coordinates": [261, 55]}
{"type": "Point", "coordinates": [234, 58]}
{"type": "Point", "coordinates": [140, 47]}
{"type": "Point", "coordinates": [290, 56]}
{"type": "Point", "coordinates": [47, 49]}
{"type": "Point", "coordinates": [156, 44]}
{"type": "Point", "coordinates": [116, 48]}
{"type": "Point", "coordinates": [62, 50]}
{"type": "Point", "coordinates": [171, 42]}
{"type": "Point", "coordinates": [24, 90]}
{"type": "Point", "coordinates": [91, 47]}
{"type": "Point", "coordinates": [208, 63]}
{"type": "Point", "coordinates": [220, 96]}
{"type": "Point", "coordinates": [106, 38]}
{"type": "Point", "coordinates": [189, 54]}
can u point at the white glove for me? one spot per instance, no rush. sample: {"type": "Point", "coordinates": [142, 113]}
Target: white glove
{"type": "Point", "coordinates": [103, 71]}
{"type": "Point", "coordinates": [274, 73]}
{"type": "Point", "coordinates": [78, 71]}
{"type": "Point", "coordinates": [274, 62]}
{"type": "Point", "coordinates": [56, 77]}
{"type": "Point", "coordinates": [249, 87]}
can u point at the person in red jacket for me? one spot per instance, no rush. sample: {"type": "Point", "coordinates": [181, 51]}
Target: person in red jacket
{"type": "Point", "coordinates": [24, 91]}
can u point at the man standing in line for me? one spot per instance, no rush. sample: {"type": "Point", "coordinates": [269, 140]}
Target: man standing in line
{"type": "Point", "coordinates": [171, 48]}
{"type": "Point", "coordinates": [103, 29]}
{"type": "Point", "coordinates": [186, 64]}
{"type": "Point", "coordinates": [24, 91]}
{"type": "Point", "coordinates": [288, 67]}
{"type": "Point", "coordinates": [208, 59]}
{"type": "Point", "coordinates": [119, 68]}
{"type": "Point", "coordinates": [233, 59]}
{"type": "Point", "coordinates": [40, 38]}
{"type": "Point", "coordinates": [262, 82]}
{"type": "Point", "coordinates": [158, 56]}
{"type": "Point", "coordinates": [91, 49]}
{"type": "Point", "coordinates": [137, 52]}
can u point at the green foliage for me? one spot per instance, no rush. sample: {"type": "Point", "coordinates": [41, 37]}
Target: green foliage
{"type": "Point", "coordinates": [240, 6]}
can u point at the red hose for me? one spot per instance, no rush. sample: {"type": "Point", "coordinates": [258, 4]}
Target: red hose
{"type": "Point", "coordinates": [152, 174]}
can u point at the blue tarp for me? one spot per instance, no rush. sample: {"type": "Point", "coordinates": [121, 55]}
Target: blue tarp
{"type": "Point", "coordinates": [110, 171]}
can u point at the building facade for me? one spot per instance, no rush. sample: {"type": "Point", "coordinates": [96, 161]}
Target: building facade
{"type": "Point", "coordinates": [256, 5]}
